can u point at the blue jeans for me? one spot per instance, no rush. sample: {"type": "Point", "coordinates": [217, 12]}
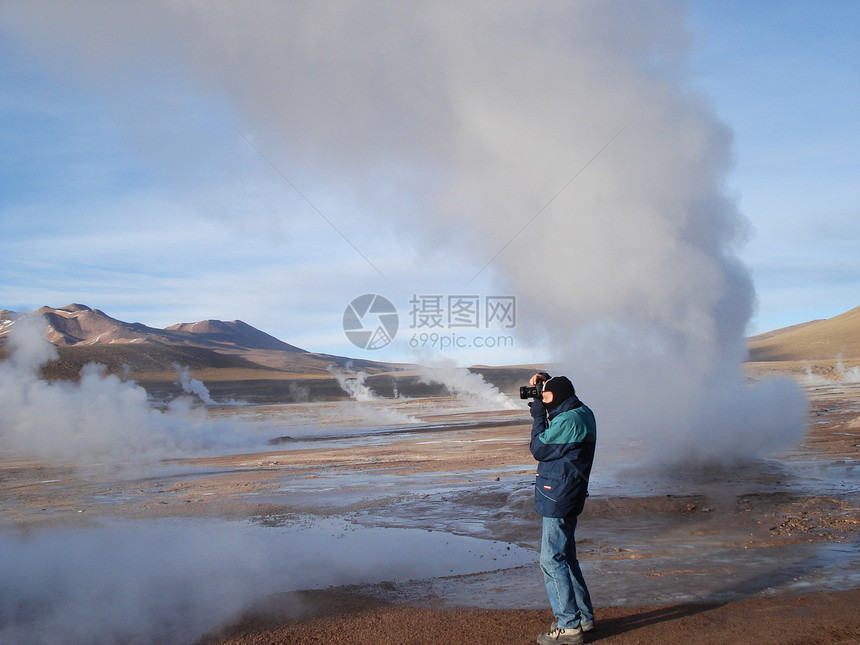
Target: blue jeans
{"type": "Point", "coordinates": [565, 586]}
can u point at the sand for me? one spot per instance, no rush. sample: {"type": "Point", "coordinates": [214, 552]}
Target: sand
{"type": "Point", "coordinates": [814, 618]}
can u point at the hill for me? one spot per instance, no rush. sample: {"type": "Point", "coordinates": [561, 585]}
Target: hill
{"type": "Point", "coordinates": [224, 350]}
{"type": "Point", "coordinates": [829, 339]}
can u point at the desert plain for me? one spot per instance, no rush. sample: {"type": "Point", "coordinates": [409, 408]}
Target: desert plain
{"type": "Point", "coordinates": [423, 532]}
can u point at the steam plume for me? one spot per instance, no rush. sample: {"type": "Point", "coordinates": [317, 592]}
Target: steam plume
{"type": "Point", "coordinates": [368, 407]}
{"type": "Point", "coordinates": [99, 416]}
{"type": "Point", "coordinates": [497, 131]}
{"type": "Point", "coordinates": [469, 387]}
{"type": "Point", "coordinates": [193, 385]}
{"type": "Point", "coordinates": [196, 387]}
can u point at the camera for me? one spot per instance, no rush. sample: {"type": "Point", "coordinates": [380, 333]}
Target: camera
{"type": "Point", "coordinates": [531, 391]}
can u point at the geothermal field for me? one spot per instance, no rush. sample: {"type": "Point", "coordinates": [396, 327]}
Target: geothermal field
{"type": "Point", "coordinates": [424, 203]}
{"type": "Point", "coordinates": [235, 522]}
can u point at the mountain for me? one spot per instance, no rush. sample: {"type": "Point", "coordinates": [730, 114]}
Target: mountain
{"type": "Point", "coordinates": [230, 334]}
{"type": "Point", "coordinates": [828, 339]}
{"type": "Point", "coordinates": [83, 335]}
{"type": "Point", "coordinates": [77, 324]}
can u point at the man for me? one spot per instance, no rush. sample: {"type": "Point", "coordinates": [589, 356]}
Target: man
{"type": "Point", "coordinates": [564, 436]}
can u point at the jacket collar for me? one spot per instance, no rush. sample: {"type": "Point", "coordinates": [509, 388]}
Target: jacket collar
{"type": "Point", "coordinates": [570, 403]}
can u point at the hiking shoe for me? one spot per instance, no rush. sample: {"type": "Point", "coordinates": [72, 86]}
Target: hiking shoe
{"type": "Point", "coordinates": [569, 636]}
{"type": "Point", "coordinates": [585, 626]}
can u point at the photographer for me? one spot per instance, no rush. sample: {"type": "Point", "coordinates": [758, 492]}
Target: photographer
{"type": "Point", "coordinates": [564, 435]}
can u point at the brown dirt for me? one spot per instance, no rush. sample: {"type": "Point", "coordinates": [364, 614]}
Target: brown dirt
{"type": "Point", "coordinates": [341, 617]}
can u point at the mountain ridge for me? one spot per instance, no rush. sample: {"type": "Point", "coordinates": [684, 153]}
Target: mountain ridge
{"type": "Point", "coordinates": [82, 334]}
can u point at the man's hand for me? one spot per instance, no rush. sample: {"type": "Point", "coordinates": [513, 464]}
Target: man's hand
{"type": "Point", "coordinates": [537, 410]}
{"type": "Point", "coordinates": [540, 377]}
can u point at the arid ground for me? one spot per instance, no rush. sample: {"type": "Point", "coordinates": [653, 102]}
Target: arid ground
{"type": "Point", "coordinates": [424, 533]}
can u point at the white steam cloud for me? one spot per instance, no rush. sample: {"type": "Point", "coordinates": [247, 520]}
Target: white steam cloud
{"type": "Point", "coordinates": [847, 374]}
{"type": "Point", "coordinates": [132, 583]}
{"type": "Point", "coordinates": [469, 387]}
{"type": "Point", "coordinates": [841, 374]}
{"type": "Point", "coordinates": [172, 581]}
{"type": "Point", "coordinates": [100, 416]}
{"type": "Point", "coordinates": [355, 385]}
{"type": "Point", "coordinates": [560, 147]}
{"type": "Point", "coordinates": [368, 407]}
{"type": "Point", "coordinates": [192, 385]}
{"type": "Point", "coordinates": [196, 387]}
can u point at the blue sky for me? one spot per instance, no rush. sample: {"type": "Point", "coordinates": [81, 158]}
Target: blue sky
{"type": "Point", "coordinates": [158, 198]}
{"type": "Point", "coordinates": [785, 76]}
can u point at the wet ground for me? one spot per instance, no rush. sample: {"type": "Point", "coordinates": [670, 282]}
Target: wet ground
{"type": "Point", "coordinates": [424, 501]}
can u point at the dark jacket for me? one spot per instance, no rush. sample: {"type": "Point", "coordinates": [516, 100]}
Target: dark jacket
{"type": "Point", "coordinates": [564, 448]}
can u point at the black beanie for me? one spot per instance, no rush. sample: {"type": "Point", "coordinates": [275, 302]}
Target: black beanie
{"type": "Point", "coordinates": [561, 388]}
